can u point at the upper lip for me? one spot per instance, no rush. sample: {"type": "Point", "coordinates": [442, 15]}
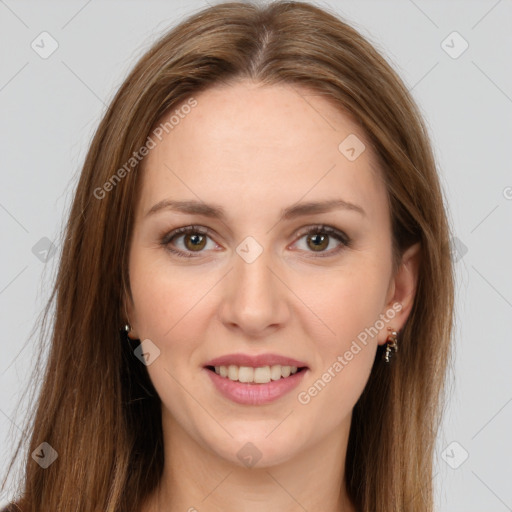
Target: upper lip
{"type": "Point", "coordinates": [255, 361]}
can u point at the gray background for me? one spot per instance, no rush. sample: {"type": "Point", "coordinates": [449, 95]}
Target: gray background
{"type": "Point", "coordinates": [50, 107]}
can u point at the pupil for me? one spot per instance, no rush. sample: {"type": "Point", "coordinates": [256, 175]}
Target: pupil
{"type": "Point", "coordinates": [321, 243]}
{"type": "Point", "coordinates": [196, 241]}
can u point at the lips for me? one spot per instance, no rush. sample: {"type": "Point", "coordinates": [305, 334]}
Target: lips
{"type": "Point", "coordinates": [255, 361]}
{"type": "Point", "coordinates": [255, 379]}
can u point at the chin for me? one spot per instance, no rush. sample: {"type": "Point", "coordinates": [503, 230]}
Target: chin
{"type": "Point", "coordinates": [257, 449]}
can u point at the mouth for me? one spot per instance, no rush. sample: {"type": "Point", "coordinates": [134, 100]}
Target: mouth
{"type": "Point", "coordinates": [255, 379]}
{"type": "Point", "coordinates": [251, 381]}
{"type": "Point", "coordinates": [255, 375]}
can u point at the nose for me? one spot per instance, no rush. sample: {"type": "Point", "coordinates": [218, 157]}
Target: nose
{"type": "Point", "coordinates": [255, 300]}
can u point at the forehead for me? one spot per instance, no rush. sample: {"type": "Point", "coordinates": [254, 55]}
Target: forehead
{"type": "Point", "coordinates": [262, 145]}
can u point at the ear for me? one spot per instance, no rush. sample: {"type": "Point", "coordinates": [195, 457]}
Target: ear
{"type": "Point", "coordinates": [402, 290]}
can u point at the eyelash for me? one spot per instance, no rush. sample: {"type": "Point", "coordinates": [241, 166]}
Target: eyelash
{"type": "Point", "coordinates": [314, 230]}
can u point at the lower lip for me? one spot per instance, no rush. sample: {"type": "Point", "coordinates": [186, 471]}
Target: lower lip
{"type": "Point", "coordinates": [255, 394]}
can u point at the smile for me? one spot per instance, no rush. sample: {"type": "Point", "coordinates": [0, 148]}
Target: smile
{"type": "Point", "coordinates": [254, 379]}
{"type": "Point", "coordinates": [258, 375]}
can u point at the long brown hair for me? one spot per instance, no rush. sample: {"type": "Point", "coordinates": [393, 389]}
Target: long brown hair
{"type": "Point", "coordinates": [96, 406]}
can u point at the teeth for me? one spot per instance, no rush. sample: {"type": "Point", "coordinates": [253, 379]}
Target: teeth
{"type": "Point", "coordinates": [262, 375]}
{"type": "Point", "coordinates": [233, 372]}
{"type": "Point", "coordinates": [245, 374]}
{"type": "Point", "coordinates": [259, 375]}
{"type": "Point", "coordinates": [275, 372]}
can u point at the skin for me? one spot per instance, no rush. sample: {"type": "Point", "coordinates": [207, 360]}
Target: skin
{"type": "Point", "coordinates": [254, 150]}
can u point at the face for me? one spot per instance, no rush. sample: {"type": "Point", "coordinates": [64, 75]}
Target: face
{"type": "Point", "coordinates": [260, 287]}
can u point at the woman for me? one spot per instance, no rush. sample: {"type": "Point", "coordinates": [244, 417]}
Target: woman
{"type": "Point", "coordinates": [260, 218]}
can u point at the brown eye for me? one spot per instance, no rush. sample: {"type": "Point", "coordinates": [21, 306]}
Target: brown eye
{"type": "Point", "coordinates": [317, 241]}
{"type": "Point", "coordinates": [195, 242]}
{"type": "Point", "coordinates": [187, 240]}
{"type": "Point", "coordinates": [323, 240]}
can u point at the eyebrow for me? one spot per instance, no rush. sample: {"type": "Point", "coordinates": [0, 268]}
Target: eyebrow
{"type": "Point", "coordinates": [291, 212]}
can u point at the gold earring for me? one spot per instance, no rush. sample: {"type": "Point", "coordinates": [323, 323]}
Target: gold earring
{"type": "Point", "coordinates": [391, 344]}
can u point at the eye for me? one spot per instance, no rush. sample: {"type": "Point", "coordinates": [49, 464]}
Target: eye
{"type": "Point", "coordinates": [319, 238]}
{"type": "Point", "coordinates": [194, 239]}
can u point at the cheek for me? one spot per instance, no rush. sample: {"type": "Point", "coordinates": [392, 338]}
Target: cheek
{"type": "Point", "coordinates": [345, 341]}
{"type": "Point", "coordinates": [346, 301]}
{"type": "Point", "coordinates": [165, 297]}
{"type": "Point", "coordinates": [170, 311]}
{"type": "Point", "coordinates": [345, 358]}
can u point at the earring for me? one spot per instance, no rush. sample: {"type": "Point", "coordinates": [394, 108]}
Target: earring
{"type": "Point", "coordinates": [391, 344]}
{"type": "Point", "coordinates": [127, 329]}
